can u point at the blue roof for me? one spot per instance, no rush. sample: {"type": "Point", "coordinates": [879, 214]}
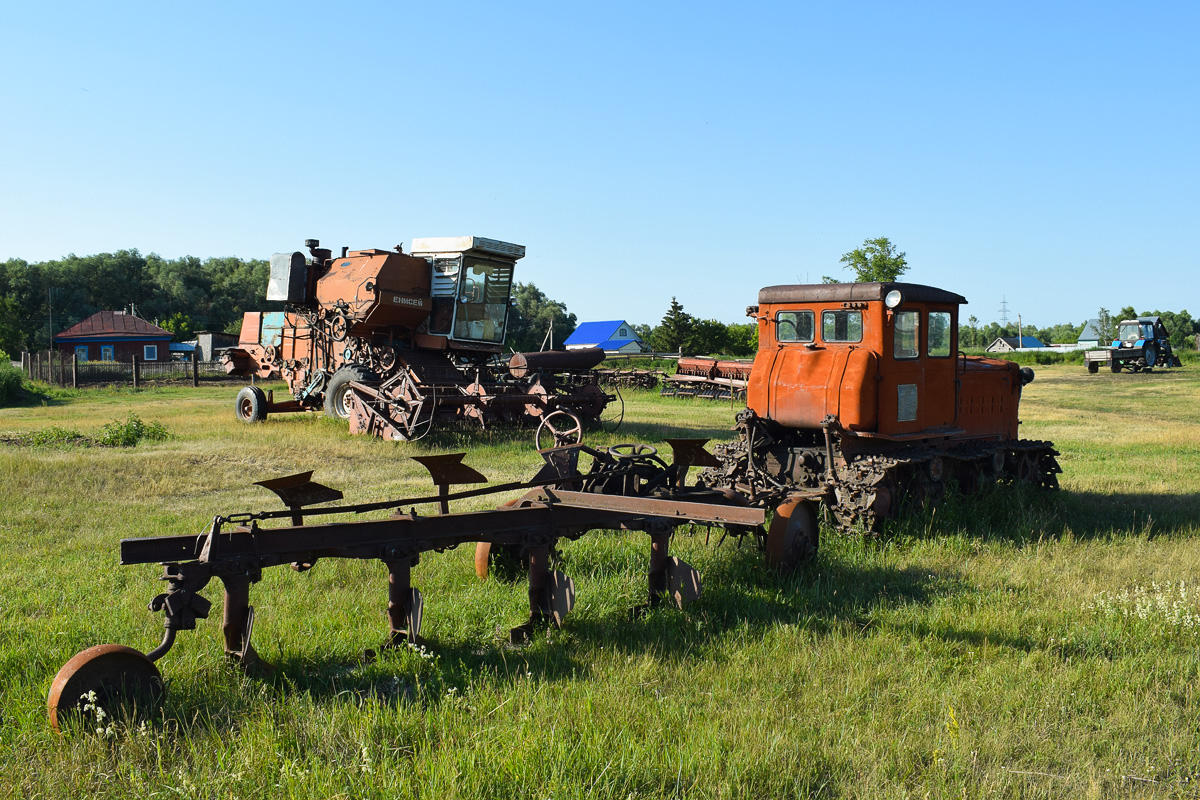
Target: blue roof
{"type": "Point", "coordinates": [596, 332]}
{"type": "Point", "coordinates": [617, 344]}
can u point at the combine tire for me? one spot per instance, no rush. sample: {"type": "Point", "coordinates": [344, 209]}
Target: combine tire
{"type": "Point", "coordinates": [1116, 367]}
{"type": "Point", "coordinates": [335, 391]}
{"type": "Point", "coordinates": [251, 405]}
{"type": "Point", "coordinates": [1151, 356]}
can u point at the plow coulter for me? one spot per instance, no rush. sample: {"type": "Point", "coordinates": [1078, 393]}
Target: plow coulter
{"type": "Point", "coordinates": [626, 488]}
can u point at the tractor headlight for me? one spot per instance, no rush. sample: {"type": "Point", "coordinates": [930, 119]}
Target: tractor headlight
{"type": "Point", "coordinates": [893, 298]}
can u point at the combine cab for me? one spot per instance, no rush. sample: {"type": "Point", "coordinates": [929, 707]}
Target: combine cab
{"type": "Point", "coordinates": [859, 400]}
{"type": "Point", "coordinates": [397, 343]}
{"type": "Point", "coordinates": [1141, 345]}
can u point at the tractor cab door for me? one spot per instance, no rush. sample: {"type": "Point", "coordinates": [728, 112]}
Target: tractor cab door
{"type": "Point", "coordinates": [918, 383]}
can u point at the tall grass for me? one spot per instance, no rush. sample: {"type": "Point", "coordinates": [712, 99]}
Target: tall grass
{"type": "Point", "coordinates": [1011, 645]}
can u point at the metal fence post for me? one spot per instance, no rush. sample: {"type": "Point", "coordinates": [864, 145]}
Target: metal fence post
{"type": "Point", "coordinates": [196, 367]}
{"type": "Point", "coordinates": [135, 372]}
{"type": "Point", "coordinates": [74, 370]}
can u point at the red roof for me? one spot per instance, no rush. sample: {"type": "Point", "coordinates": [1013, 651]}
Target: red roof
{"type": "Point", "coordinates": [114, 325]}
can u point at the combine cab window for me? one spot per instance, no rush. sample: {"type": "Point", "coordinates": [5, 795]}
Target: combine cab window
{"type": "Point", "coordinates": [841, 326]}
{"type": "Point", "coordinates": [906, 338]}
{"type": "Point", "coordinates": [483, 290]}
{"type": "Point", "coordinates": [939, 334]}
{"type": "Point", "coordinates": [794, 326]}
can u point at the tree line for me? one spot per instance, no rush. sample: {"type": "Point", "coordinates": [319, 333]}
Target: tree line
{"type": "Point", "coordinates": [188, 294]}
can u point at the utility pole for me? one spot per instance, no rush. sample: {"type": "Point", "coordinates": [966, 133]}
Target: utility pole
{"type": "Point", "coordinates": [1020, 336]}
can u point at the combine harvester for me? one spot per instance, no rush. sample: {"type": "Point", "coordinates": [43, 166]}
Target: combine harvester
{"type": "Point", "coordinates": [398, 343]}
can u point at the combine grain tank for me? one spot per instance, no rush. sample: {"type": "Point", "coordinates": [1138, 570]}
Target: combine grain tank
{"type": "Point", "coordinates": [859, 400]}
{"type": "Point", "coordinates": [397, 342]}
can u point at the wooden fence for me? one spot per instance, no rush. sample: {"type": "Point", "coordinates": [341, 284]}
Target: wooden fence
{"type": "Point", "coordinates": [63, 369]}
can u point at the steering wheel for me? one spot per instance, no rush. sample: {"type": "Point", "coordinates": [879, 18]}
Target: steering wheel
{"type": "Point", "coordinates": [563, 426]}
{"type": "Point", "coordinates": [632, 450]}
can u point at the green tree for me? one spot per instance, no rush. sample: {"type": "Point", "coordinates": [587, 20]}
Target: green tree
{"type": "Point", "coordinates": [675, 331]}
{"type": "Point", "coordinates": [531, 316]}
{"type": "Point", "coordinates": [1106, 325]}
{"type": "Point", "coordinates": [180, 325]}
{"type": "Point", "coordinates": [876, 260]}
{"type": "Point", "coordinates": [1126, 313]}
{"type": "Point", "coordinates": [743, 338]}
{"type": "Point", "coordinates": [12, 340]}
{"type": "Point", "coordinates": [709, 336]}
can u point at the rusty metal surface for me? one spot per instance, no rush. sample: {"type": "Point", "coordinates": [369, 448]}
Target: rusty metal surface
{"type": "Point", "coordinates": [522, 365]}
{"type": "Point", "coordinates": [106, 677]}
{"type": "Point", "coordinates": [300, 490]}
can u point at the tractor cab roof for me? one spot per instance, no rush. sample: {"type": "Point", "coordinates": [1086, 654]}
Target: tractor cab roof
{"type": "Point", "coordinates": [842, 292]}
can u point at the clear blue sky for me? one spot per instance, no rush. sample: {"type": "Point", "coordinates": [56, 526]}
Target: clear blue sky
{"type": "Point", "coordinates": [1042, 152]}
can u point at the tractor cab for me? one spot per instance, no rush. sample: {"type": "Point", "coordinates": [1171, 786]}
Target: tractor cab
{"type": "Point", "coordinates": [1136, 332]}
{"type": "Point", "coordinates": [470, 286]}
{"type": "Point", "coordinates": [879, 357]}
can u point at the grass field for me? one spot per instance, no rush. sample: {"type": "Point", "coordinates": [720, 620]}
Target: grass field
{"type": "Point", "coordinates": [1011, 645]}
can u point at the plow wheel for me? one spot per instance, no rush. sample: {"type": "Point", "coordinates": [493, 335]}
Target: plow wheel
{"type": "Point", "coordinates": [558, 429]}
{"type": "Point", "coordinates": [101, 681]}
{"type": "Point", "coordinates": [793, 536]}
{"type": "Point", "coordinates": [541, 404]}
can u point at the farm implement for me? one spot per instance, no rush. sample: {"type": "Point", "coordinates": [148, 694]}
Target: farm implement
{"type": "Point", "coordinates": [708, 378]}
{"type": "Point", "coordinates": [627, 487]}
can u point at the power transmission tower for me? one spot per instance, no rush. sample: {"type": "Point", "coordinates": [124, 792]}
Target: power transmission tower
{"type": "Point", "coordinates": [1004, 311]}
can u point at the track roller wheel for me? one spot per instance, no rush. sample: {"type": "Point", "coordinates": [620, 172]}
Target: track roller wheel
{"type": "Point", "coordinates": [101, 681]}
{"type": "Point", "coordinates": [793, 536]}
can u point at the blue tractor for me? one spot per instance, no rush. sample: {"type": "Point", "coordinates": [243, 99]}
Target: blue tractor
{"type": "Point", "coordinates": [1141, 345]}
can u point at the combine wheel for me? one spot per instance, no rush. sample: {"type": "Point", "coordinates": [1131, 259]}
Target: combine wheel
{"type": "Point", "coordinates": [99, 682]}
{"type": "Point", "coordinates": [335, 391]}
{"type": "Point", "coordinates": [793, 536]}
{"type": "Point", "coordinates": [1115, 367]}
{"type": "Point", "coordinates": [559, 428]}
{"type": "Point", "coordinates": [251, 405]}
{"type": "Point", "coordinates": [1151, 357]}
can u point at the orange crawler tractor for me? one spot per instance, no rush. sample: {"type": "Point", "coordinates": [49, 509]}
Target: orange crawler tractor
{"type": "Point", "coordinates": [859, 400]}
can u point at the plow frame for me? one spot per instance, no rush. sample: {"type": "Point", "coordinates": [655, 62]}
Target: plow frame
{"type": "Point", "coordinates": [628, 489]}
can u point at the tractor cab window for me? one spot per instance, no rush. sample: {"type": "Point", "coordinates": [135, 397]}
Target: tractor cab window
{"type": "Point", "coordinates": [482, 308]}
{"type": "Point", "coordinates": [841, 326]}
{"type": "Point", "coordinates": [1131, 332]}
{"type": "Point", "coordinates": [906, 334]}
{"type": "Point", "coordinates": [794, 326]}
{"type": "Point", "coordinates": [939, 334]}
